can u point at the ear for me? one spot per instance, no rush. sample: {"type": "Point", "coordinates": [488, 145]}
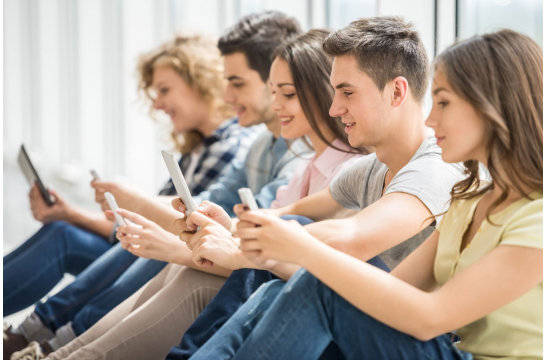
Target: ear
{"type": "Point", "coordinates": [400, 92]}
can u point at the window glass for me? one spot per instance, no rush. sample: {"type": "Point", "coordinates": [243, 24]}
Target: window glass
{"type": "Point", "coordinates": [482, 16]}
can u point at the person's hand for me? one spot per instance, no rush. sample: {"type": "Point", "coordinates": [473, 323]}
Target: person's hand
{"type": "Point", "coordinates": [126, 195]}
{"type": "Point", "coordinates": [271, 238]}
{"type": "Point", "coordinates": [213, 243]}
{"type": "Point", "coordinates": [147, 239]}
{"type": "Point", "coordinates": [211, 210]}
{"type": "Point", "coordinates": [60, 211]}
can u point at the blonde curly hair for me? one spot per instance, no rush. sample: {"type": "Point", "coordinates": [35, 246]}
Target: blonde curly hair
{"type": "Point", "coordinates": [197, 60]}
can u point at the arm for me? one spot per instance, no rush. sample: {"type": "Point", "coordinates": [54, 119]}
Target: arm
{"type": "Point", "coordinates": [151, 241]}
{"type": "Point", "coordinates": [130, 198]}
{"type": "Point", "coordinates": [494, 281]}
{"type": "Point", "coordinates": [389, 221]}
{"type": "Point", "coordinates": [93, 221]}
{"type": "Point", "coordinates": [63, 211]}
{"type": "Point", "coordinates": [318, 206]}
{"type": "Point", "coordinates": [501, 276]}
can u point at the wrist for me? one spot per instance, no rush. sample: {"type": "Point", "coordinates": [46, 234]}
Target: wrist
{"type": "Point", "coordinates": [286, 210]}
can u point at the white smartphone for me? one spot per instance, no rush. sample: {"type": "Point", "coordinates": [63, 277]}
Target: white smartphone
{"type": "Point", "coordinates": [95, 175]}
{"type": "Point", "coordinates": [120, 220]}
{"type": "Point", "coordinates": [179, 181]}
{"type": "Point", "coordinates": [247, 198]}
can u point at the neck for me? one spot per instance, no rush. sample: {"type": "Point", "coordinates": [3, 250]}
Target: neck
{"type": "Point", "coordinates": [404, 138]}
{"type": "Point", "coordinates": [274, 126]}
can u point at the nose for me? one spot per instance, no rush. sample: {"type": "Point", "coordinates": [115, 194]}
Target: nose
{"type": "Point", "coordinates": [158, 104]}
{"type": "Point", "coordinates": [337, 108]}
{"type": "Point", "coordinates": [431, 121]}
{"type": "Point", "coordinates": [276, 105]}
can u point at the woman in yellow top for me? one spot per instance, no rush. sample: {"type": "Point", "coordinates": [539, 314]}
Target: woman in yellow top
{"type": "Point", "coordinates": [480, 274]}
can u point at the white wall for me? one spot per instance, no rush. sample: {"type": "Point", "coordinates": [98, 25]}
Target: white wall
{"type": "Point", "coordinates": [70, 72]}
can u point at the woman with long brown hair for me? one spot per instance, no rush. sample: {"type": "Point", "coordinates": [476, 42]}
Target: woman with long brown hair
{"type": "Point", "coordinates": [480, 273]}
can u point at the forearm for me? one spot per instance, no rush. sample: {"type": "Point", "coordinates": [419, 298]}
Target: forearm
{"type": "Point", "coordinates": [373, 291]}
{"type": "Point", "coordinates": [339, 234]}
{"type": "Point", "coordinates": [318, 207]}
{"type": "Point", "coordinates": [160, 213]}
{"type": "Point", "coordinates": [166, 200]}
{"type": "Point", "coordinates": [93, 221]}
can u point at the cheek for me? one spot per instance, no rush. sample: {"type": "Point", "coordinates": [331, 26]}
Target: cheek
{"type": "Point", "coordinates": [462, 138]}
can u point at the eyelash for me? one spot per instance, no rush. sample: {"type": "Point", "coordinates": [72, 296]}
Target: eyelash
{"type": "Point", "coordinates": [442, 103]}
{"type": "Point", "coordinates": [347, 94]}
{"type": "Point", "coordinates": [163, 91]}
{"type": "Point", "coordinates": [238, 86]}
{"type": "Point", "coordinates": [289, 96]}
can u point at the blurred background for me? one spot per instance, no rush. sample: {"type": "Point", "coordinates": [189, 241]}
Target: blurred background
{"type": "Point", "coordinates": [70, 81]}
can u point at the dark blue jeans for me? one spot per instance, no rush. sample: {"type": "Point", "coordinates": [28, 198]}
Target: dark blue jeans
{"type": "Point", "coordinates": [299, 319]}
{"type": "Point", "coordinates": [101, 287]}
{"type": "Point", "coordinates": [234, 293]}
{"type": "Point", "coordinates": [35, 267]}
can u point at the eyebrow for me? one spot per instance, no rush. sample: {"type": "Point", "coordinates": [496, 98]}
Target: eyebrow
{"type": "Point", "coordinates": [234, 77]}
{"type": "Point", "coordinates": [343, 85]}
{"type": "Point", "coordinates": [436, 91]}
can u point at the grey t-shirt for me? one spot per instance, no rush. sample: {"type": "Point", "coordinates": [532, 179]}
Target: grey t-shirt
{"type": "Point", "coordinates": [425, 176]}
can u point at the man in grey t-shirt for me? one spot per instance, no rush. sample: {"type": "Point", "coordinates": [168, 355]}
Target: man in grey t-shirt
{"type": "Point", "coordinates": [425, 176]}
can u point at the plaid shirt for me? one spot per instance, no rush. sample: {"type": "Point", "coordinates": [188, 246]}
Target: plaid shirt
{"type": "Point", "coordinates": [228, 143]}
{"type": "Point", "coordinates": [268, 165]}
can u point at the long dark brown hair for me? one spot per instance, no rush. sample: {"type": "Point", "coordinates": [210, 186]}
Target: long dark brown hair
{"type": "Point", "coordinates": [501, 76]}
{"type": "Point", "coordinates": [310, 68]}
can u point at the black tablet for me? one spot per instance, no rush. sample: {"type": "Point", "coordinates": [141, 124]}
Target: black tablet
{"type": "Point", "coordinates": [31, 175]}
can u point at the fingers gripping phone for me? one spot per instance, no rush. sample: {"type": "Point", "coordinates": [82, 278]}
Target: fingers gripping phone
{"type": "Point", "coordinates": [247, 198]}
{"type": "Point", "coordinates": [179, 182]}
{"type": "Point", "coordinates": [120, 220]}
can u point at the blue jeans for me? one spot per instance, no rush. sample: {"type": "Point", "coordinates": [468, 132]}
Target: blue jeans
{"type": "Point", "coordinates": [299, 319]}
{"type": "Point", "coordinates": [234, 293]}
{"type": "Point", "coordinates": [101, 287]}
{"type": "Point", "coordinates": [35, 267]}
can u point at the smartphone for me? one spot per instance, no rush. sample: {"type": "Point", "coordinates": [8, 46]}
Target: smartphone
{"type": "Point", "coordinates": [179, 182]}
{"type": "Point", "coordinates": [32, 175]}
{"type": "Point", "coordinates": [120, 220]}
{"type": "Point", "coordinates": [247, 198]}
{"type": "Point", "coordinates": [95, 175]}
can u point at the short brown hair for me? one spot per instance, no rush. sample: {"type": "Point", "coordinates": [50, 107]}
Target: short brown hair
{"type": "Point", "coordinates": [256, 36]}
{"type": "Point", "coordinates": [385, 47]}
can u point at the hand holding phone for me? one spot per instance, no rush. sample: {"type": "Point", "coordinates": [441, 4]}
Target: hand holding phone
{"type": "Point", "coordinates": [120, 220]}
{"type": "Point", "coordinates": [179, 182]}
{"type": "Point", "coordinates": [247, 198]}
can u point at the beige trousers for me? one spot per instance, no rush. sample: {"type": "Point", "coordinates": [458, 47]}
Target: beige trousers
{"type": "Point", "coordinates": [150, 322]}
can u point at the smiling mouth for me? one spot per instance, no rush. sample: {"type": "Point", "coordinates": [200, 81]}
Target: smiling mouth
{"type": "Point", "coordinates": [349, 126]}
{"type": "Point", "coordinates": [286, 120]}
